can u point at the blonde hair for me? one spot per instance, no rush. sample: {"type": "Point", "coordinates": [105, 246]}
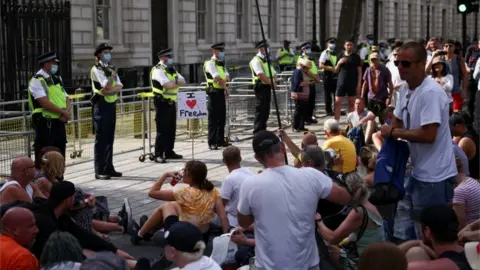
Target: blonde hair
{"type": "Point", "coordinates": [359, 188]}
{"type": "Point", "coordinates": [53, 164]}
{"type": "Point", "coordinates": [304, 63]}
{"type": "Point", "coordinates": [368, 157]}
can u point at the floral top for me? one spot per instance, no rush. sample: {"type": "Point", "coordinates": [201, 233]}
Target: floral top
{"type": "Point", "coordinates": [197, 205]}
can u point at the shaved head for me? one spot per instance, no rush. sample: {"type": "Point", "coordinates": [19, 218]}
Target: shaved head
{"type": "Point", "coordinates": [22, 170]}
{"type": "Point", "coordinates": [309, 139]}
{"type": "Point", "coordinates": [19, 223]}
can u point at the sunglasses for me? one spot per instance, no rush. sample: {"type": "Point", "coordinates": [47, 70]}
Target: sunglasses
{"type": "Point", "coordinates": [448, 45]}
{"type": "Point", "coordinates": [404, 63]}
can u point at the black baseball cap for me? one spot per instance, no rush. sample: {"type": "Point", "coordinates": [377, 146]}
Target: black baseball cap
{"type": "Point", "coordinates": [183, 236]}
{"type": "Point", "coordinates": [441, 219]}
{"type": "Point", "coordinates": [263, 140]}
{"type": "Point", "coordinates": [61, 191]}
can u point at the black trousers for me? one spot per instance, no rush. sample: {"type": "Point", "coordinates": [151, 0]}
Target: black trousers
{"type": "Point", "coordinates": [262, 107]}
{"type": "Point", "coordinates": [299, 115]}
{"type": "Point", "coordinates": [48, 132]}
{"type": "Point", "coordinates": [166, 121]}
{"type": "Point", "coordinates": [104, 121]}
{"type": "Point", "coordinates": [217, 110]}
{"type": "Point", "coordinates": [472, 91]}
{"type": "Point", "coordinates": [329, 93]}
{"type": "Point", "coordinates": [311, 103]}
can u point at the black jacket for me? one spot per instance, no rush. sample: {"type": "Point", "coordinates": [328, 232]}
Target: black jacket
{"type": "Point", "coordinates": [47, 223]}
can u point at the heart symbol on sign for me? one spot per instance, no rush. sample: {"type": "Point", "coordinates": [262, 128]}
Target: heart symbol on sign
{"type": "Point", "coordinates": [191, 103]}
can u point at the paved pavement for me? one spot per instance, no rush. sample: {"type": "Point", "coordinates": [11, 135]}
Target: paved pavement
{"type": "Point", "coordinates": [138, 178]}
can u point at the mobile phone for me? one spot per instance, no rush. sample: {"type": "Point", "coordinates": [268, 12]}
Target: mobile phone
{"type": "Point", "coordinates": [442, 53]}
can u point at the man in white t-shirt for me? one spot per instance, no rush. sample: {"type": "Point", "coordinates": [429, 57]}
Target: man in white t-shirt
{"type": "Point", "coordinates": [421, 117]}
{"type": "Point", "coordinates": [232, 183]}
{"type": "Point", "coordinates": [281, 202]}
{"type": "Point", "coordinates": [363, 118]}
{"type": "Point", "coordinates": [396, 80]}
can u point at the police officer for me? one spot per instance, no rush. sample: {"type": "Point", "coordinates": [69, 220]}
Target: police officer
{"type": "Point", "coordinates": [50, 106]}
{"type": "Point", "coordinates": [327, 63]}
{"type": "Point", "coordinates": [366, 51]}
{"type": "Point", "coordinates": [105, 86]}
{"type": "Point", "coordinates": [217, 77]}
{"type": "Point", "coordinates": [165, 82]}
{"type": "Point", "coordinates": [261, 86]}
{"type": "Point", "coordinates": [314, 78]}
{"type": "Point", "coordinates": [285, 56]}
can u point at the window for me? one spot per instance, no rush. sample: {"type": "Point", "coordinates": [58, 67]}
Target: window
{"type": "Point", "coordinates": [271, 19]}
{"type": "Point", "coordinates": [444, 23]}
{"type": "Point", "coordinates": [396, 20]}
{"type": "Point", "coordinates": [410, 26]}
{"type": "Point", "coordinates": [103, 17]}
{"type": "Point", "coordinates": [239, 19]}
{"type": "Point", "coordinates": [201, 19]}
{"type": "Point", "coordinates": [365, 16]}
{"type": "Point", "coordinates": [422, 21]}
{"type": "Point", "coordinates": [298, 19]}
{"type": "Point", "coordinates": [381, 21]}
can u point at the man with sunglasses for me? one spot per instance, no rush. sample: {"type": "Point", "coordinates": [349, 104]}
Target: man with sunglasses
{"type": "Point", "coordinates": [396, 80]}
{"type": "Point", "coordinates": [421, 117]}
{"type": "Point", "coordinates": [458, 70]}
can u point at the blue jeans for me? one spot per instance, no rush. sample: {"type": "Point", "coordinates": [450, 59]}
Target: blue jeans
{"type": "Point", "coordinates": [423, 194]}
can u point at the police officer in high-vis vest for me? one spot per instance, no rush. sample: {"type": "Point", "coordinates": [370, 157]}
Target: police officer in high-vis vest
{"type": "Point", "coordinates": [261, 86]}
{"type": "Point", "coordinates": [50, 106]}
{"type": "Point", "coordinates": [366, 51]}
{"type": "Point", "coordinates": [217, 77]}
{"type": "Point", "coordinates": [165, 82]}
{"type": "Point", "coordinates": [285, 57]}
{"type": "Point", "coordinates": [327, 63]}
{"type": "Point", "coordinates": [314, 78]}
{"type": "Point", "coordinates": [105, 86]}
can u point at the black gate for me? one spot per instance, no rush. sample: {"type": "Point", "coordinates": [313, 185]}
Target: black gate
{"type": "Point", "coordinates": [28, 29]}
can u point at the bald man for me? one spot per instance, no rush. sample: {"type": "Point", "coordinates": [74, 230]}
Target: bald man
{"type": "Point", "coordinates": [20, 187]}
{"type": "Point", "coordinates": [309, 138]}
{"type": "Point", "coordinates": [18, 232]}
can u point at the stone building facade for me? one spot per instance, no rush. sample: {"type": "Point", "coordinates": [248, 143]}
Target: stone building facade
{"type": "Point", "coordinates": [139, 28]}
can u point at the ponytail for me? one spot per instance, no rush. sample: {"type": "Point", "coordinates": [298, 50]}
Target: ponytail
{"type": "Point", "coordinates": [206, 185]}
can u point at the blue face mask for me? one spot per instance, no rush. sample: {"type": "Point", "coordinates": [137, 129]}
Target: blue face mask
{"type": "Point", "coordinates": [54, 69]}
{"type": "Point", "coordinates": [221, 56]}
{"type": "Point", "coordinates": [370, 42]}
{"type": "Point", "coordinates": [331, 46]}
{"type": "Point", "coordinates": [107, 57]}
{"type": "Point", "coordinates": [308, 51]}
{"type": "Point", "coordinates": [170, 61]}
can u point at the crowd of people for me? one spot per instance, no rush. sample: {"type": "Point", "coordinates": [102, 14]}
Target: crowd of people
{"type": "Point", "coordinates": [317, 214]}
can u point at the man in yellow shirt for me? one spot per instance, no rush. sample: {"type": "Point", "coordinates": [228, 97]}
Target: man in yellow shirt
{"type": "Point", "coordinates": [342, 146]}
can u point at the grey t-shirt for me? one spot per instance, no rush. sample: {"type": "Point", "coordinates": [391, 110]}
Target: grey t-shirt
{"type": "Point", "coordinates": [353, 117]}
{"type": "Point", "coordinates": [283, 201]}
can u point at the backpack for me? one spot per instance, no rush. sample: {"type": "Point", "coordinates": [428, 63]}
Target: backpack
{"type": "Point", "coordinates": [357, 137]}
{"type": "Point", "coordinates": [390, 171]}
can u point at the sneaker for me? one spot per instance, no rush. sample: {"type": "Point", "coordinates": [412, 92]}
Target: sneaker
{"type": "Point", "coordinates": [123, 219]}
{"type": "Point", "coordinates": [148, 235]}
{"type": "Point", "coordinates": [135, 238]}
{"type": "Point", "coordinates": [128, 215]}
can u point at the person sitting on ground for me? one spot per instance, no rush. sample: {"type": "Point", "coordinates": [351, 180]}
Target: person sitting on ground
{"type": "Point", "coordinates": [183, 245]}
{"type": "Point", "coordinates": [363, 219]}
{"type": "Point", "coordinates": [368, 158]}
{"type": "Point", "coordinates": [377, 136]}
{"type": "Point", "coordinates": [362, 118]}
{"type": "Point", "coordinates": [468, 140]}
{"type": "Point", "coordinates": [309, 138]}
{"type": "Point", "coordinates": [466, 197]}
{"type": "Point", "coordinates": [196, 203]}
{"type": "Point", "coordinates": [232, 183]}
{"type": "Point", "coordinates": [342, 146]}
{"type": "Point", "coordinates": [18, 233]}
{"type": "Point", "coordinates": [20, 187]}
{"type": "Point", "coordinates": [314, 157]}
{"type": "Point", "coordinates": [52, 167]}
{"type": "Point", "coordinates": [50, 216]}
{"type": "Point", "coordinates": [283, 241]}
{"type": "Point", "coordinates": [62, 251]}
{"type": "Point", "coordinates": [439, 248]}
{"type": "Point", "coordinates": [470, 233]}
{"type": "Point", "coordinates": [382, 256]}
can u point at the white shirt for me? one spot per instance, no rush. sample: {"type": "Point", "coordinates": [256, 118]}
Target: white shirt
{"type": "Point", "coordinates": [283, 201]}
{"type": "Point", "coordinates": [28, 188]}
{"type": "Point", "coordinates": [257, 65]}
{"type": "Point", "coordinates": [363, 53]}
{"type": "Point", "coordinates": [99, 76]}
{"type": "Point", "coordinates": [428, 104]}
{"type": "Point", "coordinates": [36, 89]}
{"type": "Point", "coordinates": [205, 263]}
{"type": "Point", "coordinates": [396, 80]}
{"type": "Point", "coordinates": [323, 57]}
{"type": "Point", "coordinates": [448, 81]}
{"type": "Point", "coordinates": [230, 191]}
{"type": "Point", "coordinates": [212, 69]}
{"type": "Point", "coordinates": [160, 76]}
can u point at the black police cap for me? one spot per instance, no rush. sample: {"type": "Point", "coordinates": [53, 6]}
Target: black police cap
{"type": "Point", "coordinates": [101, 47]}
{"type": "Point", "coordinates": [218, 46]}
{"type": "Point", "coordinates": [306, 45]}
{"type": "Point", "coordinates": [370, 37]}
{"type": "Point", "coordinates": [332, 40]}
{"type": "Point", "coordinates": [261, 44]}
{"type": "Point", "coordinates": [165, 52]}
{"type": "Point", "coordinates": [286, 41]}
{"type": "Point", "coordinates": [47, 57]}
{"type": "Point", "coordinates": [391, 40]}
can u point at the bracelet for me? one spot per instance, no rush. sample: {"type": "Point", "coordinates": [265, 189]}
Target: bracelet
{"type": "Point", "coordinates": [391, 131]}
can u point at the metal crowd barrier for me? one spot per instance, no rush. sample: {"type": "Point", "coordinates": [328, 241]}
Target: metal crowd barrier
{"type": "Point", "coordinates": [135, 122]}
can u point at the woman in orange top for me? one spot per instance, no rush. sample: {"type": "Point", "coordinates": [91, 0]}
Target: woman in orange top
{"type": "Point", "coordinates": [196, 203]}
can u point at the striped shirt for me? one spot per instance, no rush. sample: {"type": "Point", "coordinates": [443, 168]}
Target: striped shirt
{"type": "Point", "coordinates": [468, 194]}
